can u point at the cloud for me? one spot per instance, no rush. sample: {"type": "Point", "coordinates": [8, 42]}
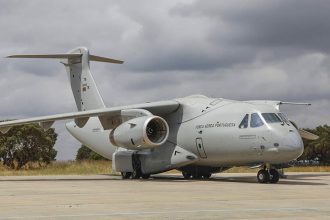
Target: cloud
{"type": "Point", "coordinates": [232, 49]}
{"type": "Point", "coordinates": [299, 23]}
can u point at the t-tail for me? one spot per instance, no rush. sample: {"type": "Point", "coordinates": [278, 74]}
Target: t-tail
{"type": "Point", "coordinates": [83, 86]}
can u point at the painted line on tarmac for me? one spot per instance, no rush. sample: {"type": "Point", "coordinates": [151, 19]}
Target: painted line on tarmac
{"type": "Point", "coordinates": [164, 212]}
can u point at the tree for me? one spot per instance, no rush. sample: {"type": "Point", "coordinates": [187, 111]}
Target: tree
{"type": "Point", "coordinates": [318, 150]}
{"type": "Point", "coordinates": [84, 153]}
{"type": "Point", "coordinates": [27, 143]}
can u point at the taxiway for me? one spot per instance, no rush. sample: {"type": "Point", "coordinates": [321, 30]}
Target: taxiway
{"type": "Point", "coordinates": [234, 196]}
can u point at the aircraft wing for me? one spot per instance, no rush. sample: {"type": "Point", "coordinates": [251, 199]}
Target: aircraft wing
{"type": "Point", "coordinates": [105, 114]}
{"type": "Point", "coordinates": [276, 104]}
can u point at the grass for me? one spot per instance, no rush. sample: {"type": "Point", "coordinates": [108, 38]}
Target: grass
{"type": "Point", "coordinates": [104, 167]}
{"type": "Point", "coordinates": [61, 168]}
{"type": "Point", "coordinates": [309, 169]}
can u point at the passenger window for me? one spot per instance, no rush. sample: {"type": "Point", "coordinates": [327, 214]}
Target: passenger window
{"type": "Point", "coordinates": [271, 117]}
{"type": "Point", "coordinates": [283, 117]}
{"type": "Point", "coordinates": [245, 122]}
{"type": "Point", "coordinates": [255, 121]}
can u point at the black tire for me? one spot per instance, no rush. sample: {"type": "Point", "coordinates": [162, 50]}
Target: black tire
{"type": "Point", "coordinates": [145, 176]}
{"type": "Point", "coordinates": [263, 176]}
{"type": "Point", "coordinates": [186, 175]}
{"type": "Point", "coordinates": [126, 175]}
{"type": "Point", "coordinates": [207, 175]}
{"type": "Point", "coordinates": [274, 176]}
{"type": "Point", "coordinates": [136, 174]}
{"type": "Point", "coordinates": [197, 176]}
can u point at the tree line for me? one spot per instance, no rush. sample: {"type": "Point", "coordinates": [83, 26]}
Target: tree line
{"type": "Point", "coordinates": [27, 143]}
{"type": "Point", "coordinates": [31, 143]}
{"type": "Point", "coordinates": [317, 152]}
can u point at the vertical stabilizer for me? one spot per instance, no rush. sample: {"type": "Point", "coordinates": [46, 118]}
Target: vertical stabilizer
{"type": "Point", "coordinates": [83, 86]}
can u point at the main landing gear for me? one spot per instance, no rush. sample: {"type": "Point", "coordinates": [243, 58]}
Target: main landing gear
{"type": "Point", "coordinates": [134, 175]}
{"type": "Point", "coordinates": [196, 175]}
{"type": "Point", "coordinates": [137, 173]}
{"type": "Point", "coordinates": [268, 176]}
{"type": "Point", "coordinates": [126, 175]}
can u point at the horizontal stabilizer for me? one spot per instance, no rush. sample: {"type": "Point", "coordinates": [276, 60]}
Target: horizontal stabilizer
{"type": "Point", "coordinates": [104, 59]}
{"type": "Point", "coordinates": [66, 56]}
{"type": "Point", "coordinates": [47, 56]}
{"type": "Point", "coordinates": [294, 103]}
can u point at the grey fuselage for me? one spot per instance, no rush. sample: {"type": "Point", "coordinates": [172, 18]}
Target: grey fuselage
{"type": "Point", "coordinates": [209, 128]}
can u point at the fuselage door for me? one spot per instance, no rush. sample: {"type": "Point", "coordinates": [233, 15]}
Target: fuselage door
{"type": "Point", "coordinates": [200, 147]}
{"type": "Point", "coordinates": [257, 146]}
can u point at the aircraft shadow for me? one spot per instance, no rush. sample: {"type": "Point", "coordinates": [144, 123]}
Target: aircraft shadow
{"type": "Point", "coordinates": [297, 179]}
{"type": "Point", "coordinates": [237, 179]}
{"type": "Point", "coordinates": [308, 176]}
{"type": "Point", "coordinates": [106, 177]}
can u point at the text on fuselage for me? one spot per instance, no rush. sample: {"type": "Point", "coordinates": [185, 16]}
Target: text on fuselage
{"type": "Point", "coordinates": [216, 125]}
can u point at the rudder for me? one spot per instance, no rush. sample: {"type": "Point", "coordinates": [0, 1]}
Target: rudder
{"type": "Point", "coordinates": [83, 86]}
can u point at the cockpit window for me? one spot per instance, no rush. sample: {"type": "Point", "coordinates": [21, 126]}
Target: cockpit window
{"type": "Point", "coordinates": [271, 117]}
{"type": "Point", "coordinates": [245, 122]}
{"type": "Point", "coordinates": [255, 121]}
{"type": "Point", "coordinates": [283, 117]}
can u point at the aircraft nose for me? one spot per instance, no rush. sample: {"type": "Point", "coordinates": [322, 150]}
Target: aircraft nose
{"type": "Point", "coordinates": [293, 145]}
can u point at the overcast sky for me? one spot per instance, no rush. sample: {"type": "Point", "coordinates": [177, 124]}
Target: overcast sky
{"type": "Point", "coordinates": [255, 49]}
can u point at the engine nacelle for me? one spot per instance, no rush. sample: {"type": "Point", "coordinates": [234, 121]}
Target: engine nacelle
{"type": "Point", "coordinates": [140, 132]}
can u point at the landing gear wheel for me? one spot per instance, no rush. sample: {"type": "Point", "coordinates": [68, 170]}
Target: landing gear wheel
{"type": "Point", "coordinates": [136, 174]}
{"type": "Point", "coordinates": [186, 175]}
{"type": "Point", "coordinates": [207, 175]}
{"type": "Point", "coordinates": [274, 176]}
{"type": "Point", "coordinates": [126, 175]}
{"type": "Point", "coordinates": [263, 176]}
{"type": "Point", "coordinates": [145, 176]}
{"type": "Point", "coordinates": [197, 176]}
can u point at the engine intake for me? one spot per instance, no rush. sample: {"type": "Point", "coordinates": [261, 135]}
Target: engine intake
{"type": "Point", "coordinates": [141, 132]}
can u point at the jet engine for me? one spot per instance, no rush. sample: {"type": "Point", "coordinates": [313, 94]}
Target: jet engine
{"type": "Point", "coordinates": [141, 132]}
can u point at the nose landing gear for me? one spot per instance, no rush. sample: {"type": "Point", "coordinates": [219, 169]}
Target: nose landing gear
{"type": "Point", "coordinates": [268, 176]}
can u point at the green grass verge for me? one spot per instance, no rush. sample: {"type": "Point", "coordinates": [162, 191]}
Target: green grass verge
{"type": "Point", "coordinates": [61, 168]}
{"type": "Point", "coordinates": [104, 167]}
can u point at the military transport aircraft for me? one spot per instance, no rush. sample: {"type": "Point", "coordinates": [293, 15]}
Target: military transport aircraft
{"type": "Point", "coordinates": [197, 135]}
